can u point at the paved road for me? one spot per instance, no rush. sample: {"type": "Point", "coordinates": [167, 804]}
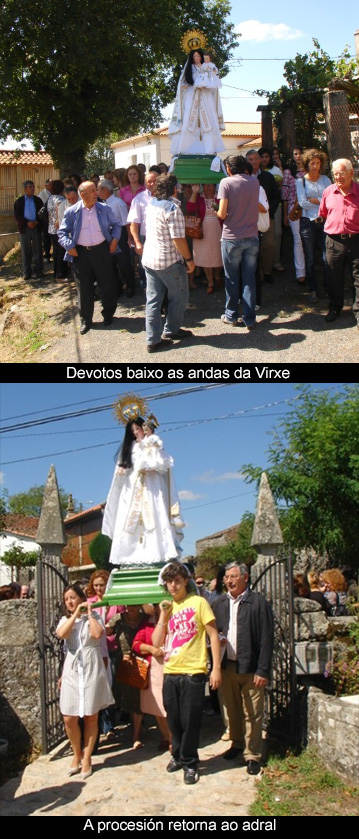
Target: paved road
{"type": "Point", "coordinates": [290, 329]}
{"type": "Point", "coordinates": [132, 783]}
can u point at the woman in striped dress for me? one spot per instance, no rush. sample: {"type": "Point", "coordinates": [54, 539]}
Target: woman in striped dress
{"type": "Point", "coordinates": [84, 686]}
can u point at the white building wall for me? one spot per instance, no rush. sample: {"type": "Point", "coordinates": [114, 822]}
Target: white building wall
{"type": "Point", "coordinates": [7, 540]}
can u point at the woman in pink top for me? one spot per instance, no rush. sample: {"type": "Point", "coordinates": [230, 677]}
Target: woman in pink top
{"type": "Point", "coordinates": [134, 182]}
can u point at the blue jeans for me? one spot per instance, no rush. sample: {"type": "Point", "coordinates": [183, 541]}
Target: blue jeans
{"type": "Point", "coordinates": [172, 280]}
{"type": "Point", "coordinates": [312, 236]}
{"type": "Point", "coordinates": [244, 253]}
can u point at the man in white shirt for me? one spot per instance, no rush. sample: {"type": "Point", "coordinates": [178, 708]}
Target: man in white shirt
{"type": "Point", "coordinates": [137, 219]}
{"type": "Point", "coordinates": [44, 195]}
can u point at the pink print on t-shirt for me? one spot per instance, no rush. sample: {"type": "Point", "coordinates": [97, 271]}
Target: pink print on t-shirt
{"type": "Point", "coordinates": [182, 628]}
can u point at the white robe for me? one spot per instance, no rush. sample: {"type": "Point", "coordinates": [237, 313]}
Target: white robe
{"type": "Point", "coordinates": [142, 514]}
{"type": "Point", "coordinates": [197, 119]}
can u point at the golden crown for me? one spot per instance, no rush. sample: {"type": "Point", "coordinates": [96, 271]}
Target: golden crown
{"type": "Point", "coordinates": [193, 39]}
{"type": "Point", "coordinates": [129, 407]}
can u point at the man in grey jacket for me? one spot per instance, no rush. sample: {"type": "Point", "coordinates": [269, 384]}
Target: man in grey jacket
{"type": "Point", "coordinates": [245, 621]}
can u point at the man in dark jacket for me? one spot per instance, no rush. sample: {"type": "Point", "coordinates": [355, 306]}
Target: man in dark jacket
{"type": "Point", "coordinates": [245, 621]}
{"type": "Point", "coordinates": [26, 212]}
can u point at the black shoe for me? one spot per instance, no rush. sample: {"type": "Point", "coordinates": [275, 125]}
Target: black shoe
{"type": "Point", "coordinates": [332, 315]}
{"type": "Point", "coordinates": [181, 334]}
{"type": "Point", "coordinates": [163, 344]}
{"type": "Point", "coordinates": [85, 326]}
{"type": "Point", "coordinates": [253, 767]}
{"type": "Point", "coordinates": [27, 277]}
{"type": "Point", "coordinates": [107, 321]}
{"type": "Point", "coordinates": [232, 753]}
{"type": "Point", "coordinates": [268, 278]}
{"type": "Point", "coordinates": [173, 766]}
{"type": "Point", "coordinates": [130, 292]}
{"type": "Point", "coordinates": [190, 775]}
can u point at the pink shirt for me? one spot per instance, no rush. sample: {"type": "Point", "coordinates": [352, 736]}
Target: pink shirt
{"type": "Point", "coordinates": [127, 195]}
{"type": "Point", "coordinates": [340, 211]}
{"type": "Point", "coordinates": [91, 233]}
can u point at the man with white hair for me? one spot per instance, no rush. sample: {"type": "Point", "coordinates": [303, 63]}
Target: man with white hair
{"type": "Point", "coordinates": [340, 207]}
{"type": "Point", "coordinates": [89, 232]}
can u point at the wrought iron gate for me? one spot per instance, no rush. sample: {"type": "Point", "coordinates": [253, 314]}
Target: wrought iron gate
{"type": "Point", "coordinates": [50, 585]}
{"type": "Point", "coordinates": [275, 584]}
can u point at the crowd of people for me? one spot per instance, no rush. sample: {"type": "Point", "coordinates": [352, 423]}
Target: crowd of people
{"type": "Point", "coordinates": [98, 688]}
{"type": "Point", "coordinates": [332, 588]}
{"type": "Point", "coordinates": [106, 232]}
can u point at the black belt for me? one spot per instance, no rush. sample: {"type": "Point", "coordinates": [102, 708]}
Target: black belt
{"type": "Point", "coordinates": [341, 236]}
{"type": "Point", "coordinates": [91, 247]}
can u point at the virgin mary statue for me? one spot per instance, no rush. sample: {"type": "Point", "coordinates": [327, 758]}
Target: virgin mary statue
{"type": "Point", "coordinates": [197, 119]}
{"type": "Point", "coordinates": [142, 514]}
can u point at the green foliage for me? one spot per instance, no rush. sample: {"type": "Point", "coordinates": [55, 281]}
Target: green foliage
{"type": "Point", "coordinates": [314, 472]}
{"type": "Point", "coordinates": [307, 75]}
{"type": "Point", "coordinates": [345, 667]}
{"type": "Point", "coordinates": [100, 156]}
{"type": "Point", "coordinates": [29, 503]}
{"type": "Point", "coordinates": [67, 72]}
{"type": "Point", "coordinates": [99, 550]}
{"type": "Point", "coordinates": [238, 550]}
{"type": "Point", "coordinates": [17, 557]}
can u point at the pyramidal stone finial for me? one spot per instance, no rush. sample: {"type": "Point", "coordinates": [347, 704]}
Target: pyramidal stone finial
{"type": "Point", "coordinates": [267, 534]}
{"type": "Point", "coordinates": [51, 529]}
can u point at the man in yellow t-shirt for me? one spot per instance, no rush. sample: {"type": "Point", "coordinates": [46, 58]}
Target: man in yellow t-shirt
{"type": "Point", "coordinates": [182, 629]}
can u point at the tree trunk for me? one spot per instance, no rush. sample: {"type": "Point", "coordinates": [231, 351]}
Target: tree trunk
{"type": "Point", "coordinates": [70, 162]}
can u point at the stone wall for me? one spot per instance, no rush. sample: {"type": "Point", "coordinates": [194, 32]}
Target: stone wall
{"type": "Point", "coordinates": [20, 705]}
{"type": "Point", "coordinates": [333, 727]}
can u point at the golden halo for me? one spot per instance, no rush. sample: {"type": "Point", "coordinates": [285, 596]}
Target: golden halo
{"type": "Point", "coordinates": [193, 39]}
{"type": "Point", "coordinates": [129, 407]}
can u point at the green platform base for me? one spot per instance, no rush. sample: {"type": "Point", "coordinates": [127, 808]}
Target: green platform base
{"type": "Point", "coordinates": [196, 169]}
{"type": "Point", "coordinates": [132, 587]}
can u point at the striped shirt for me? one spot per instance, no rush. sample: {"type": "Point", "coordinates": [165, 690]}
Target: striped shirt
{"type": "Point", "coordinates": [164, 222]}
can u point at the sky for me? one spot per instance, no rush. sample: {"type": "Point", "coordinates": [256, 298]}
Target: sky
{"type": "Point", "coordinates": [270, 36]}
{"type": "Point", "coordinates": [211, 434]}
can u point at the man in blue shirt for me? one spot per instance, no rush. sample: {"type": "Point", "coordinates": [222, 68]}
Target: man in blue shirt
{"type": "Point", "coordinates": [26, 212]}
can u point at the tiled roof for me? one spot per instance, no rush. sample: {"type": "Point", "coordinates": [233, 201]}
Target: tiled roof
{"type": "Point", "coordinates": [242, 129]}
{"type": "Point", "coordinates": [21, 525]}
{"type": "Point", "coordinates": [233, 129]}
{"type": "Point", "coordinates": [96, 509]}
{"type": "Point", "coordinates": [25, 158]}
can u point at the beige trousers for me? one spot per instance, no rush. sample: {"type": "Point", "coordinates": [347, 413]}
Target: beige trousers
{"type": "Point", "coordinates": [245, 705]}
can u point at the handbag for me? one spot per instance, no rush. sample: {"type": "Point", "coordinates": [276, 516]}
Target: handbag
{"type": "Point", "coordinates": [134, 671]}
{"type": "Point", "coordinates": [296, 211]}
{"type": "Point", "coordinates": [263, 222]}
{"type": "Point", "coordinates": [193, 227]}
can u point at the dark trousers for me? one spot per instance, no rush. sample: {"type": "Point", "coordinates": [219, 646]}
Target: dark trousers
{"type": "Point", "coordinates": [95, 265]}
{"type": "Point", "coordinates": [342, 252]}
{"type": "Point", "coordinates": [183, 697]}
{"type": "Point", "coordinates": [313, 236]}
{"type": "Point", "coordinates": [127, 271]}
{"type": "Point", "coordinates": [60, 267]}
{"type": "Point", "coordinates": [46, 238]}
{"type": "Point", "coordinates": [30, 241]}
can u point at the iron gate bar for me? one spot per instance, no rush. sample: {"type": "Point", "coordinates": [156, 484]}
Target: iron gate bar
{"type": "Point", "coordinates": [51, 721]}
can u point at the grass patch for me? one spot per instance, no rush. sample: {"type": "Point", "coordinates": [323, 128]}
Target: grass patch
{"type": "Point", "coordinates": [301, 785]}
